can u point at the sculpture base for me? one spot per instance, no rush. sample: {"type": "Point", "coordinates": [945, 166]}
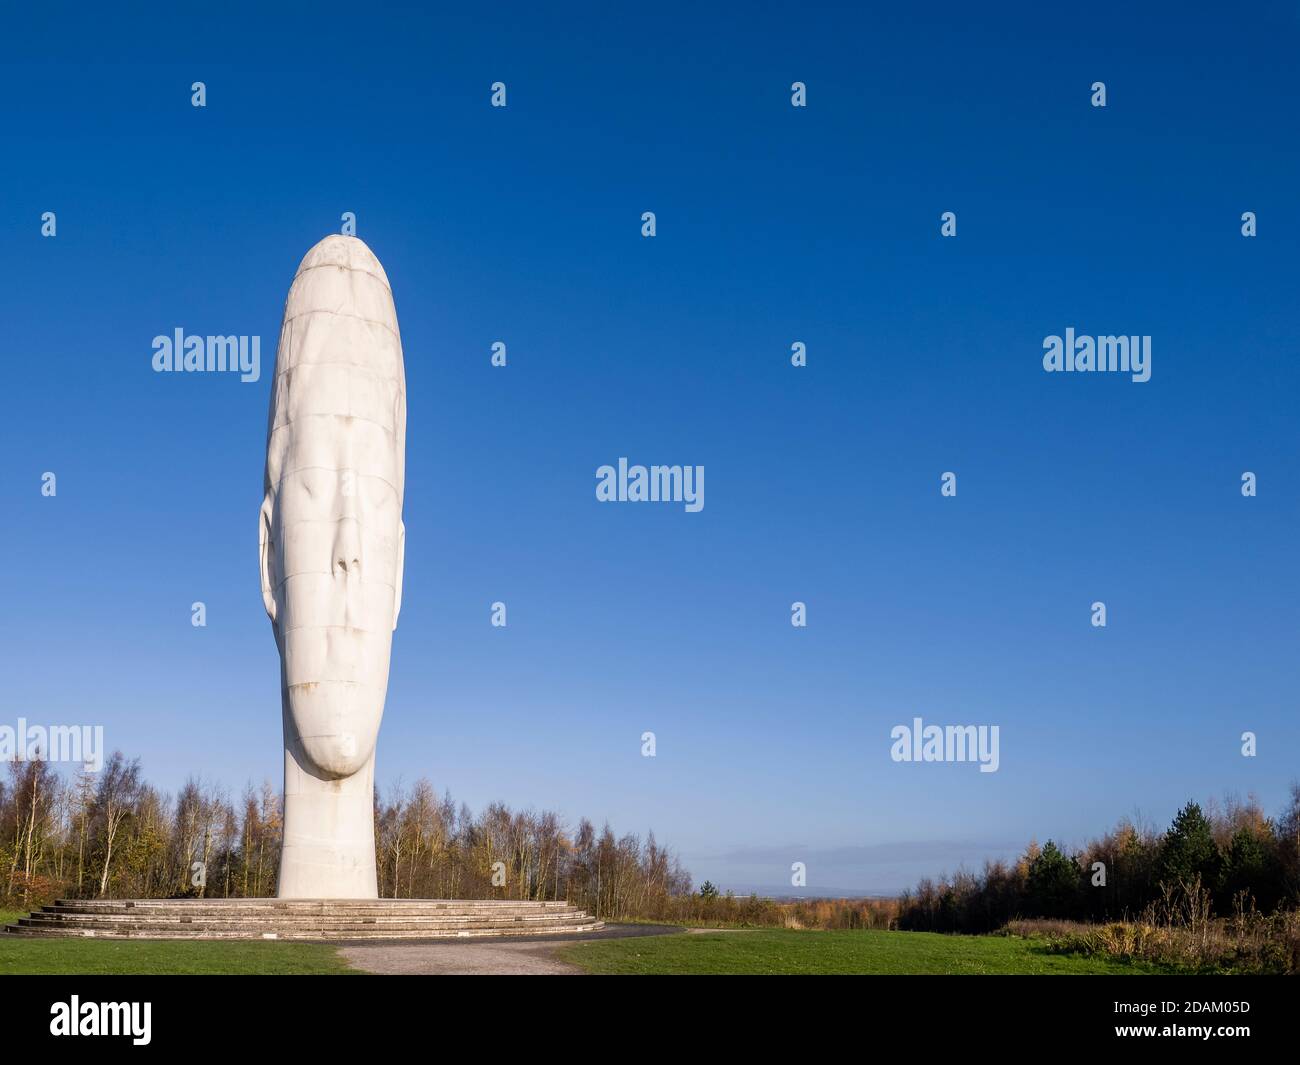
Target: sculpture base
{"type": "Point", "coordinates": [299, 919]}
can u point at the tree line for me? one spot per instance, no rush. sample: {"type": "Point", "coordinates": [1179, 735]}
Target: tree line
{"type": "Point", "coordinates": [1230, 855]}
{"type": "Point", "coordinates": [111, 834]}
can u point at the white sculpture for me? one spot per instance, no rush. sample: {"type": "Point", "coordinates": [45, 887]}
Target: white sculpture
{"type": "Point", "coordinates": [331, 546]}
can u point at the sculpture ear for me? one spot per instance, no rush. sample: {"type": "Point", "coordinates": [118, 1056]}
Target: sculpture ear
{"type": "Point", "coordinates": [264, 547]}
{"type": "Point", "coordinates": [401, 565]}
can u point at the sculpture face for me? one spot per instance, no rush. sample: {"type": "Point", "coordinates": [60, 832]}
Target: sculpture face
{"type": "Point", "coordinates": [335, 563]}
{"type": "Point", "coordinates": [332, 538]}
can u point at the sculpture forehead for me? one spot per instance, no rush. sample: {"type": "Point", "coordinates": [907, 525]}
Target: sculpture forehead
{"type": "Point", "coordinates": [303, 394]}
{"type": "Point", "coordinates": [338, 396]}
{"type": "Point", "coordinates": [332, 444]}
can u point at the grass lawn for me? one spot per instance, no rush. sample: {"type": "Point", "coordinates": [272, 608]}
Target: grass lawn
{"type": "Point", "coordinates": [93, 957]}
{"type": "Point", "coordinates": [789, 952]}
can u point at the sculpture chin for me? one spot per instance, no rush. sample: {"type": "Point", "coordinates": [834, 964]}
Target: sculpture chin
{"type": "Point", "coordinates": [336, 725]}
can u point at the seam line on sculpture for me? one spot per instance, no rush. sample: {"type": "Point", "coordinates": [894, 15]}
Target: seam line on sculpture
{"type": "Point", "coordinates": [278, 427]}
{"type": "Point", "coordinates": [348, 628]}
{"type": "Point", "coordinates": [334, 521]}
{"type": "Point", "coordinates": [344, 314]}
{"type": "Point", "coordinates": [354, 365]}
{"type": "Point", "coordinates": [351, 269]}
{"type": "Point", "coordinates": [355, 417]}
{"type": "Point", "coordinates": [352, 683]}
{"type": "Point", "coordinates": [318, 573]}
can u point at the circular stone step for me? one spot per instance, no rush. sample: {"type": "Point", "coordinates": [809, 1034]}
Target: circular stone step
{"type": "Point", "coordinates": [301, 919]}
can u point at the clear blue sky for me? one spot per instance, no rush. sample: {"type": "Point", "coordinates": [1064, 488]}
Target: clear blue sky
{"type": "Point", "coordinates": [775, 224]}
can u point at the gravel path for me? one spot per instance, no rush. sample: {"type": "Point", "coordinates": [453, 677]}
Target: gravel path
{"type": "Point", "coordinates": [516, 956]}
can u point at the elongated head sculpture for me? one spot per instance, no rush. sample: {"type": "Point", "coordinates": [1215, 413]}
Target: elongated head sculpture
{"type": "Point", "coordinates": [331, 546]}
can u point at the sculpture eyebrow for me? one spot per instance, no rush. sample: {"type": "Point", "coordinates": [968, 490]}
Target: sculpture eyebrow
{"type": "Point", "coordinates": [381, 631]}
{"type": "Point", "coordinates": [331, 414]}
{"type": "Point", "coordinates": [335, 469]}
{"type": "Point", "coordinates": [281, 450]}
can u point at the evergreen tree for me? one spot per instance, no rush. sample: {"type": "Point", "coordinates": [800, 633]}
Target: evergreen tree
{"type": "Point", "coordinates": [1251, 866]}
{"type": "Point", "coordinates": [1052, 884]}
{"type": "Point", "coordinates": [1189, 849]}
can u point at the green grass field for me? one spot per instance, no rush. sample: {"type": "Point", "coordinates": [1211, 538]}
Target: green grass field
{"type": "Point", "coordinates": [786, 952]}
{"type": "Point", "coordinates": [94, 957]}
{"type": "Point", "coordinates": [741, 952]}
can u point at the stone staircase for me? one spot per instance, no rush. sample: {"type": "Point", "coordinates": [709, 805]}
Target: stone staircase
{"type": "Point", "coordinates": [322, 919]}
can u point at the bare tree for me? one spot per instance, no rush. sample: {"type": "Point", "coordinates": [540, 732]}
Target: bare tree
{"type": "Point", "coordinates": [115, 799]}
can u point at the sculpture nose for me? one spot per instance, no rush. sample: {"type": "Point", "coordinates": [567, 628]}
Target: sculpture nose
{"type": "Point", "coordinates": [347, 549]}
